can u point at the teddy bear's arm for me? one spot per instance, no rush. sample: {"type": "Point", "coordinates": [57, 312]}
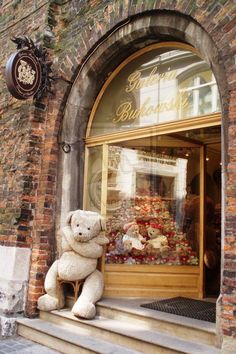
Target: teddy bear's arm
{"type": "Point", "coordinates": [64, 244]}
{"type": "Point", "coordinates": [88, 249]}
{"type": "Point", "coordinates": [101, 239]}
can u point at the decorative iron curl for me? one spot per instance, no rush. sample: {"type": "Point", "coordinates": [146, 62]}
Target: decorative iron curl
{"type": "Point", "coordinates": [41, 54]}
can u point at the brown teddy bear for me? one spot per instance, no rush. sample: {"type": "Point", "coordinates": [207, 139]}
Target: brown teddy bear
{"type": "Point", "coordinates": [158, 242]}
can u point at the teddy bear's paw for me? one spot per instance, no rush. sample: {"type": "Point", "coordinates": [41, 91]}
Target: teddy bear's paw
{"type": "Point", "coordinates": [47, 303]}
{"type": "Point", "coordinates": [84, 310]}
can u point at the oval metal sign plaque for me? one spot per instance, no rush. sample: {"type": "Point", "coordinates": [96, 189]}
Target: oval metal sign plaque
{"type": "Point", "coordinates": [23, 74]}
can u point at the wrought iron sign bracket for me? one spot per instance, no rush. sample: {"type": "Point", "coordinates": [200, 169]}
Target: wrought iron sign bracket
{"type": "Point", "coordinates": [28, 71]}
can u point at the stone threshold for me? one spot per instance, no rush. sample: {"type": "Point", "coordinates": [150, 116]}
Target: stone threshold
{"type": "Point", "coordinates": [132, 305]}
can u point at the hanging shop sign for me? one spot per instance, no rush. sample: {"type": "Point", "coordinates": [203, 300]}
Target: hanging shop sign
{"type": "Point", "coordinates": [28, 71]}
{"type": "Point", "coordinates": [23, 74]}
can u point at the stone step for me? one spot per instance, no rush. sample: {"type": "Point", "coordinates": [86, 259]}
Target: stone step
{"type": "Point", "coordinates": [134, 336]}
{"type": "Point", "coordinates": [182, 327]}
{"type": "Point", "coordinates": [67, 340]}
{"type": "Point", "coordinates": [129, 310]}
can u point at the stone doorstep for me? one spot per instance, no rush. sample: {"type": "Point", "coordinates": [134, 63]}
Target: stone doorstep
{"type": "Point", "coordinates": [180, 330]}
{"type": "Point", "coordinates": [129, 332]}
{"type": "Point", "coordinates": [59, 334]}
{"type": "Point", "coordinates": [132, 306]}
{"type": "Point", "coordinates": [129, 310]}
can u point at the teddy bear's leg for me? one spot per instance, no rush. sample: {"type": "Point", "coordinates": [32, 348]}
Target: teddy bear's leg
{"type": "Point", "coordinates": [91, 293]}
{"type": "Point", "coordinates": [50, 301]}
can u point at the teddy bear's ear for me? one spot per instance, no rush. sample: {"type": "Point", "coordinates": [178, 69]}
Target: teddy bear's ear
{"type": "Point", "coordinates": [69, 216]}
{"type": "Point", "coordinates": [103, 223]}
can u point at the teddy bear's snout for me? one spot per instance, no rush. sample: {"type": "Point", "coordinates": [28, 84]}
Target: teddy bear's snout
{"type": "Point", "coordinates": [80, 237]}
{"type": "Point", "coordinates": [80, 233]}
{"type": "Point", "coordinates": [84, 232]}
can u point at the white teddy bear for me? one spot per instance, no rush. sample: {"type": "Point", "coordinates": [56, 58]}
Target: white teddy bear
{"type": "Point", "coordinates": [82, 244]}
{"type": "Point", "coordinates": [132, 237]}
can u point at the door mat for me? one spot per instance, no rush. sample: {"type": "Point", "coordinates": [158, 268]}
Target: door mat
{"type": "Point", "coordinates": [182, 306]}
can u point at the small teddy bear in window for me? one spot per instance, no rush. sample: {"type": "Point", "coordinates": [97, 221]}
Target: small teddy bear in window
{"type": "Point", "coordinates": [157, 242]}
{"type": "Point", "coordinates": [132, 237]}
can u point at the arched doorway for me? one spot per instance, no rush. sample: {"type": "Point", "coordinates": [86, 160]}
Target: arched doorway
{"type": "Point", "coordinates": [123, 41]}
{"type": "Point", "coordinates": [152, 168]}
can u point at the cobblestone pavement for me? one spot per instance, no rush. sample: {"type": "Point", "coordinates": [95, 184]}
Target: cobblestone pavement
{"type": "Point", "coordinates": [21, 345]}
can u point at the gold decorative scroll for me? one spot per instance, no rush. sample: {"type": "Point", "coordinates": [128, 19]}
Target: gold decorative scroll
{"type": "Point", "coordinates": [26, 74]}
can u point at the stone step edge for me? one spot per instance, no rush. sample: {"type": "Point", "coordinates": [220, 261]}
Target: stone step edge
{"type": "Point", "coordinates": [160, 339]}
{"type": "Point", "coordinates": [161, 316]}
{"type": "Point", "coordinates": [71, 337]}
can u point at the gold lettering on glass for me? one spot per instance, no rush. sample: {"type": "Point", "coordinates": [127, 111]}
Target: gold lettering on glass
{"type": "Point", "coordinates": [136, 82]}
{"type": "Point", "coordinates": [127, 112]}
{"type": "Point", "coordinates": [26, 74]}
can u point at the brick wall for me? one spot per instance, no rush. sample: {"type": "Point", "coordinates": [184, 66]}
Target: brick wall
{"type": "Point", "coordinates": [28, 136]}
{"type": "Point", "coordinates": [29, 149]}
{"type": "Point", "coordinates": [15, 129]}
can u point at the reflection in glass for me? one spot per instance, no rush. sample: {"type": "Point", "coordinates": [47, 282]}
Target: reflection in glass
{"type": "Point", "coordinates": [199, 91]}
{"type": "Point", "coordinates": [94, 179]}
{"type": "Point", "coordinates": [154, 214]}
{"type": "Point", "coordinates": [159, 86]}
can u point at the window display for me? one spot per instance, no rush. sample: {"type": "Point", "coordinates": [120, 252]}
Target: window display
{"type": "Point", "coordinates": [151, 223]}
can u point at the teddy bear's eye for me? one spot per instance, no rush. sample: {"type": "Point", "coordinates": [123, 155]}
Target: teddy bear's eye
{"type": "Point", "coordinates": [77, 225]}
{"type": "Point", "coordinates": [88, 228]}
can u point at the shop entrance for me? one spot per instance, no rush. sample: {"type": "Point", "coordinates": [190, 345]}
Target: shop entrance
{"type": "Point", "coordinates": [153, 170]}
{"type": "Point", "coordinates": [161, 198]}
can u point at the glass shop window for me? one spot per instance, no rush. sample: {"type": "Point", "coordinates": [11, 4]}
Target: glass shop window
{"type": "Point", "coordinates": [159, 86]}
{"type": "Point", "coordinates": [93, 179]}
{"type": "Point", "coordinates": [149, 187]}
{"type": "Point", "coordinates": [153, 203]}
{"type": "Point", "coordinates": [201, 93]}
